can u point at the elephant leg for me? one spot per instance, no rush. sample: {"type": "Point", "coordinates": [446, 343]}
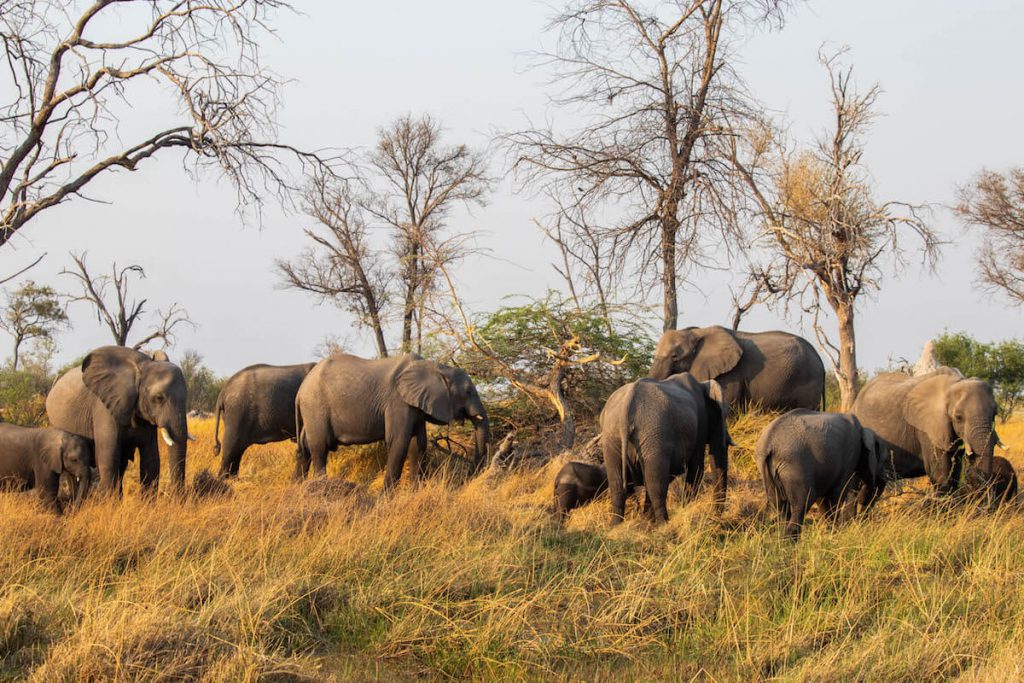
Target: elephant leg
{"type": "Point", "coordinates": [694, 477]}
{"type": "Point", "coordinates": [417, 453]}
{"type": "Point", "coordinates": [801, 498]}
{"type": "Point", "coordinates": [397, 441]}
{"type": "Point", "coordinates": [656, 480]}
{"type": "Point", "coordinates": [616, 485]}
{"type": "Point", "coordinates": [108, 462]}
{"type": "Point", "coordinates": [232, 448]}
{"type": "Point", "coordinates": [149, 466]}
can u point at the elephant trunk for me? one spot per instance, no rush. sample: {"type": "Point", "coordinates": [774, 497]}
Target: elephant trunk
{"type": "Point", "coordinates": [177, 439]}
{"type": "Point", "coordinates": [82, 489]}
{"type": "Point", "coordinates": [980, 440]}
{"type": "Point", "coordinates": [481, 434]}
{"type": "Point", "coordinates": [660, 368]}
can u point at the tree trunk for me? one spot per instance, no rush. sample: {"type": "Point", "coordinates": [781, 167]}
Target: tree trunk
{"type": "Point", "coordinates": [378, 335]}
{"type": "Point", "coordinates": [411, 288]}
{"type": "Point", "coordinates": [847, 373]}
{"type": "Point", "coordinates": [670, 304]}
{"type": "Point", "coordinates": [14, 360]}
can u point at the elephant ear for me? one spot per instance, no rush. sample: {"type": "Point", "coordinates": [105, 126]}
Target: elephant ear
{"type": "Point", "coordinates": [718, 353]}
{"type": "Point", "coordinates": [53, 455]}
{"type": "Point", "coordinates": [869, 464]}
{"type": "Point", "coordinates": [926, 408]}
{"type": "Point", "coordinates": [421, 385]}
{"type": "Point", "coordinates": [718, 412]}
{"type": "Point", "coordinates": [112, 374]}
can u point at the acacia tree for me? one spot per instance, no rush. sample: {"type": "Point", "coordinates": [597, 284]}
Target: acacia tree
{"type": "Point", "coordinates": [121, 313]}
{"type": "Point", "coordinates": [659, 90]}
{"type": "Point", "coordinates": [420, 180]}
{"type": "Point", "coordinates": [32, 312]}
{"type": "Point", "coordinates": [824, 233]}
{"type": "Point", "coordinates": [74, 70]}
{"type": "Point", "coordinates": [342, 267]}
{"type": "Point", "coordinates": [994, 202]}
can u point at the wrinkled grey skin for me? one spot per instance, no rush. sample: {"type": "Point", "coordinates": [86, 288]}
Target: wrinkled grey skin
{"type": "Point", "coordinates": [654, 431]}
{"type": "Point", "coordinates": [258, 406]}
{"type": "Point", "coordinates": [775, 370]}
{"type": "Point", "coordinates": [347, 400]}
{"type": "Point", "coordinates": [576, 484]}
{"type": "Point", "coordinates": [807, 457]}
{"type": "Point", "coordinates": [931, 420]}
{"type": "Point", "coordinates": [119, 398]}
{"type": "Point", "coordinates": [1000, 488]}
{"type": "Point", "coordinates": [37, 458]}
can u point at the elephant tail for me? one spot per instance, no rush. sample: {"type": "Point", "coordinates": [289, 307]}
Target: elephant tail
{"type": "Point", "coordinates": [300, 435]}
{"type": "Point", "coordinates": [216, 425]}
{"type": "Point", "coordinates": [627, 432]}
{"type": "Point", "coordinates": [823, 392]}
{"type": "Point", "coordinates": [772, 491]}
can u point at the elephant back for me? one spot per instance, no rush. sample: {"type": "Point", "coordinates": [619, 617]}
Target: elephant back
{"type": "Point", "coordinates": [69, 404]}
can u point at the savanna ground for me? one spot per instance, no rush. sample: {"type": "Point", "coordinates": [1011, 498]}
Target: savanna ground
{"type": "Point", "coordinates": [282, 582]}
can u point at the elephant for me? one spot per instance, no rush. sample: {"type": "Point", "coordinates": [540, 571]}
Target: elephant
{"type": "Point", "coordinates": [775, 370]}
{"type": "Point", "coordinates": [578, 483]}
{"type": "Point", "coordinates": [930, 420]}
{"type": "Point", "coordinates": [807, 457]}
{"type": "Point", "coordinates": [120, 398]}
{"type": "Point", "coordinates": [1000, 488]}
{"type": "Point", "coordinates": [346, 400]}
{"type": "Point", "coordinates": [32, 457]}
{"type": "Point", "coordinates": [653, 431]}
{"type": "Point", "coordinates": [258, 406]}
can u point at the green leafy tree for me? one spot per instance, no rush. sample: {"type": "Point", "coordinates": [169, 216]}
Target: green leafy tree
{"type": "Point", "coordinates": [559, 356]}
{"type": "Point", "coordinates": [33, 312]}
{"type": "Point", "coordinates": [1001, 364]}
{"type": "Point", "coordinates": [202, 383]}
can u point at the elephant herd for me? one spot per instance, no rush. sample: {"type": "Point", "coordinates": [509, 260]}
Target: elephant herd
{"type": "Point", "coordinates": [940, 425]}
{"type": "Point", "coordinates": [119, 400]}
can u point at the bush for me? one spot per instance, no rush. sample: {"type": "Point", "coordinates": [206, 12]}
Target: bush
{"type": "Point", "coordinates": [23, 397]}
{"type": "Point", "coordinates": [1001, 364]}
{"type": "Point", "coordinates": [523, 341]}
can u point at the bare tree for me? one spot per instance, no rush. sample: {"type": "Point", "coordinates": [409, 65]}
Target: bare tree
{"type": "Point", "coordinates": [342, 267]}
{"type": "Point", "coordinates": [32, 312]}
{"type": "Point", "coordinates": [659, 89]}
{"type": "Point", "coordinates": [75, 69]}
{"type": "Point", "coordinates": [824, 232]}
{"type": "Point", "coordinates": [995, 203]}
{"type": "Point", "coordinates": [121, 313]}
{"type": "Point", "coordinates": [421, 181]}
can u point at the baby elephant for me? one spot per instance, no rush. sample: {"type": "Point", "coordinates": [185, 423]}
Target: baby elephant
{"type": "Point", "coordinates": [999, 489]}
{"type": "Point", "coordinates": [808, 457]}
{"type": "Point", "coordinates": [578, 483]}
{"type": "Point", "coordinates": [37, 458]}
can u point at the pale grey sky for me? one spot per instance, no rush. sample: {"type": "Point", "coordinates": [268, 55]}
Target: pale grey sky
{"type": "Point", "coordinates": [951, 105]}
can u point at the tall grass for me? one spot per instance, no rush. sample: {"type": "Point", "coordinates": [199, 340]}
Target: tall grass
{"type": "Point", "coordinates": [476, 580]}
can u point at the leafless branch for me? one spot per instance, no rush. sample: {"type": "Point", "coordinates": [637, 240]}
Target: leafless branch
{"type": "Point", "coordinates": [74, 72]}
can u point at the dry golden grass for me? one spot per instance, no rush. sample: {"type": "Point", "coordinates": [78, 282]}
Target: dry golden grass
{"type": "Point", "coordinates": [285, 582]}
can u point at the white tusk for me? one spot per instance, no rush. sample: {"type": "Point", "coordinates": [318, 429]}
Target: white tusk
{"type": "Point", "coordinates": [1002, 445]}
{"type": "Point", "coordinates": [167, 437]}
{"type": "Point", "coordinates": [191, 438]}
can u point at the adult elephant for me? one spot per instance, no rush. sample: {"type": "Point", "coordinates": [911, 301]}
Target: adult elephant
{"type": "Point", "coordinates": [120, 398]}
{"type": "Point", "coordinates": [347, 400]}
{"type": "Point", "coordinates": [654, 431]}
{"type": "Point", "coordinates": [930, 421]}
{"type": "Point", "coordinates": [258, 406]}
{"type": "Point", "coordinates": [775, 370]}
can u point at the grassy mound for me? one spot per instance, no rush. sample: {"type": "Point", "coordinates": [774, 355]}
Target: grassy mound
{"type": "Point", "coordinates": [281, 581]}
